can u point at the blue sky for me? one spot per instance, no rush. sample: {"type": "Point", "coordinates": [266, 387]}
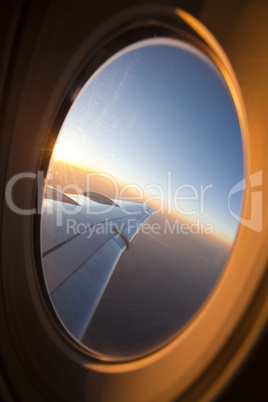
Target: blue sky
{"type": "Point", "coordinates": [158, 107]}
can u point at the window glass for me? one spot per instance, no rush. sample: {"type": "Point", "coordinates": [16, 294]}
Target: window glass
{"type": "Point", "coordinates": [139, 215]}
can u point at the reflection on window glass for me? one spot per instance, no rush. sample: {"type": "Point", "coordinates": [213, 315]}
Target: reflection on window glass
{"type": "Point", "coordinates": [136, 225]}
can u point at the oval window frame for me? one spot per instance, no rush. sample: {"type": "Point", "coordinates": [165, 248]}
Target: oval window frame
{"type": "Point", "coordinates": [162, 360]}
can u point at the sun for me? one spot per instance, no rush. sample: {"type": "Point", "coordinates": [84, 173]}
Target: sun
{"type": "Point", "coordinates": [65, 150]}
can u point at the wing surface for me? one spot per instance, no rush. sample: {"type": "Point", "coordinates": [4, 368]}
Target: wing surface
{"type": "Point", "coordinates": [82, 239]}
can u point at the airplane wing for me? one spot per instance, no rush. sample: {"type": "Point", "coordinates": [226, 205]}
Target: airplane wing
{"type": "Point", "coordinates": [82, 239]}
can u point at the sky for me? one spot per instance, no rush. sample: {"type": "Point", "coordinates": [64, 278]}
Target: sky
{"type": "Point", "coordinates": [159, 115]}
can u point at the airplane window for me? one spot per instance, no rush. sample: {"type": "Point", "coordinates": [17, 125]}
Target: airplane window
{"type": "Point", "coordinates": [150, 154]}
